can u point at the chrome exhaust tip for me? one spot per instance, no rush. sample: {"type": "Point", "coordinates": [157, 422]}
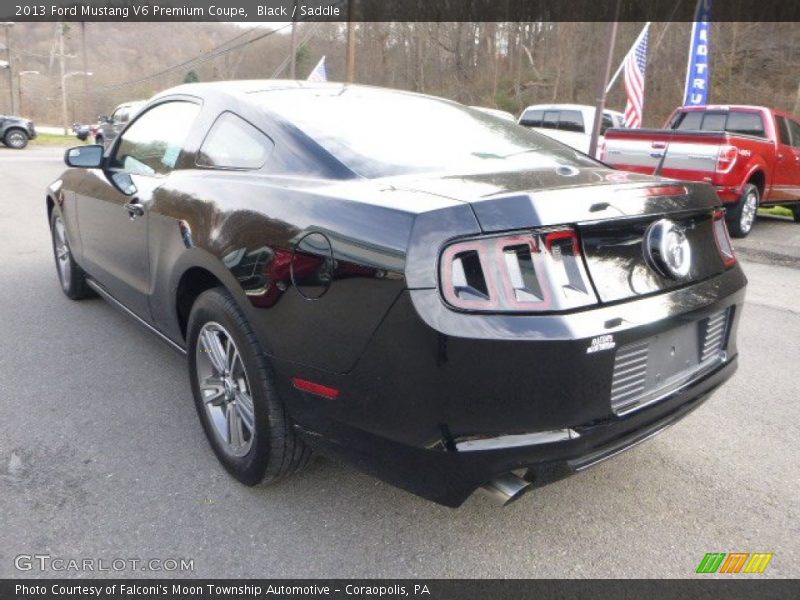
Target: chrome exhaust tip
{"type": "Point", "coordinates": [506, 489]}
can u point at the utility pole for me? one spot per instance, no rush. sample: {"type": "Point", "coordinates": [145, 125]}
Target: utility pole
{"type": "Point", "coordinates": [293, 57]}
{"type": "Point", "coordinates": [796, 109]}
{"type": "Point", "coordinates": [351, 44]}
{"type": "Point", "coordinates": [88, 101]}
{"type": "Point", "coordinates": [8, 25]}
{"type": "Point", "coordinates": [61, 56]}
{"type": "Point", "coordinates": [601, 89]}
{"type": "Point", "coordinates": [19, 87]}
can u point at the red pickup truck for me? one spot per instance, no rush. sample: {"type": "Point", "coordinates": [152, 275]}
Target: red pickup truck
{"type": "Point", "coordinates": [750, 154]}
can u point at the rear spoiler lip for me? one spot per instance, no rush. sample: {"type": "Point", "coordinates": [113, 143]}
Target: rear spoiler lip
{"type": "Point", "coordinates": [591, 203]}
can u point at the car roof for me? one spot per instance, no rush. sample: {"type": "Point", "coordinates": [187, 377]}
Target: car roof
{"type": "Point", "coordinates": [568, 107]}
{"type": "Point", "coordinates": [242, 88]}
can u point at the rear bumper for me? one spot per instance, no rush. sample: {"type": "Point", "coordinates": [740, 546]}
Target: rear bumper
{"type": "Point", "coordinates": [432, 382]}
{"type": "Point", "coordinates": [449, 477]}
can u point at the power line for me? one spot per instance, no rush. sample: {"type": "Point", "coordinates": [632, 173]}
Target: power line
{"type": "Point", "coordinates": [215, 53]}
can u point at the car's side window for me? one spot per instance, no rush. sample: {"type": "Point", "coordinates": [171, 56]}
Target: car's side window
{"type": "Point", "coordinates": [783, 130]}
{"type": "Point", "coordinates": [152, 144]}
{"type": "Point", "coordinates": [794, 126]}
{"type": "Point", "coordinates": [233, 143]}
{"type": "Point", "coordinates": [747, 123]}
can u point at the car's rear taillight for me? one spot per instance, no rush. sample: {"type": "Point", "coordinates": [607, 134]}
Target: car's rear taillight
{"type": "Point", "coordinates": [726, 158]}
{"type": "Point", "coordinates": [723, 240]}
{"type": "Point", "coordinates": [530, 272]}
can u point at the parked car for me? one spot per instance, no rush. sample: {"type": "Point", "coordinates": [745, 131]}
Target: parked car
{"type": "Point", "coordinates": [15, 132]}
{"type": "Point", "coordinates": [496, 112]}
{"type": "Point", "coordinates": [81, 131]}
{"type": "Point", "coordinates": [570, 124]}
{"type": "Point", "coordinates": [750, 154]}
{"type": "Point", "coordinates": [444, 301]}
{"type": "Point", "coordinates": [109, 127]}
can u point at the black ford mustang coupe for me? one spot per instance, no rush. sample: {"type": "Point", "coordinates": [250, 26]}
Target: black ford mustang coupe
{"type": "Point", "coordinates": [434, 295]}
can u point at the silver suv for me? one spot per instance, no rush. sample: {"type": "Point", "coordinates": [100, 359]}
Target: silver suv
{"type": "Point", "coordinates": [108, 128]}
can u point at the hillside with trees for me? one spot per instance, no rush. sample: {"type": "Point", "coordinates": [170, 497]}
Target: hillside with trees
{"type": "Point", "coordinates": [503, 65]}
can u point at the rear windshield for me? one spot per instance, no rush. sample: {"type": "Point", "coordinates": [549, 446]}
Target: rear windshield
{"type": "Point", "coordinates": [566, 120]}
{"type": "Point", "coordinates": [735, 121]}
{"type": "Point", "coordinates": [377, 133]}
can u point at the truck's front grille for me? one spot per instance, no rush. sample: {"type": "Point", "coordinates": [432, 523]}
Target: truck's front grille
{"type": "Point", "coordinates": [647, 370]}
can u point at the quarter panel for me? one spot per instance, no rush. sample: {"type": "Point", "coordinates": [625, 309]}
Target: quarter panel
{"type": "Point", "coordinates": [248, 225]}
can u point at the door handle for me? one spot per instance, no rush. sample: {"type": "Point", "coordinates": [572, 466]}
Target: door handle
{"type": "Point", "coordinates": [134, 208]}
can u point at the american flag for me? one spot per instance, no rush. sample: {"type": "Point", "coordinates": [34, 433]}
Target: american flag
{"type": "Point", "coordinates": [635, 63]}
{"type": "Point", "coordinates": [320, 73]}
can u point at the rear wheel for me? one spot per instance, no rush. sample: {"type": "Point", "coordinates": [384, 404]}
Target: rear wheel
{"type": "Point", "coordinates": [743, 215]}
{"type": "Point", "coordinates": [235, 395]}
{"type": "Point", "coordinates": [16, 139]}
{"type": "Point", "coordinates": [70, 275]}
{"type": "Point", "coordinates": [796, 213]}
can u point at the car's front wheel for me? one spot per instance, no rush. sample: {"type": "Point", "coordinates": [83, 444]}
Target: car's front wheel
{"type": "Point", "coordinates": [16, 139]}
{"type": "Point", "coordinates": [235, 396]}
{"type": "Point", "coordinates": [743, 215]}
{"type": "Point", "coordinates": [70, 274]}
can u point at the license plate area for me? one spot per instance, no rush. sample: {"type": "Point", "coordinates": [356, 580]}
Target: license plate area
{"type": "Point", "coordinates": [647, 370]}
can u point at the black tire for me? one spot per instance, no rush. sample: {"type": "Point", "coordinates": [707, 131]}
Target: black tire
{"type": "Point", "coordinates": [796, 212]}
{"type": "Point", "coordinates": [98, 139]}
{"type": "Point", "coordinates": [742, 216]}
{"type": "Point", "coordinates": [275, 450]}
{"type": "Point", "coordinates": [70, 275]}
{"type": "Point", "coordinates": [15, 138]}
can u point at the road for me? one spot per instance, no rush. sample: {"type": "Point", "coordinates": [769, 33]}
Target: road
{"type": "Point", "coordinates": [102, 455]}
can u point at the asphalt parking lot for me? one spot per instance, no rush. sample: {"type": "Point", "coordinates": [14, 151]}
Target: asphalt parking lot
{"type": "Point", "coordinates": [102, 455]}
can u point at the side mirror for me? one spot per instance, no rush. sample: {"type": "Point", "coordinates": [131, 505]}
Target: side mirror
{"type": "Point", "coordinates": [84, 157]}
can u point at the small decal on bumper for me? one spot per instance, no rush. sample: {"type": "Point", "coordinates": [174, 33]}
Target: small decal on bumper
{"type": "Point", "coordinates": [600, 343]}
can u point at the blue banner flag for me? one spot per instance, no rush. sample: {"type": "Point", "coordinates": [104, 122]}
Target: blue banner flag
{"type": "Point", "coordinates": [698, 71]}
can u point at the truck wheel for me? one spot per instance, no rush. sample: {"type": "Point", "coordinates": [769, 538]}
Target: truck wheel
{"type": "Point", "coordinates": [235, 395]}
{"type": "Point", "coordinates": [796, 213]}
{"type": "Point", "coordinates": [743, 215]}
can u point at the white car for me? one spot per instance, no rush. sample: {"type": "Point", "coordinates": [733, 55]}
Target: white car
{"type": "Point", "coordinates": [570, 124]}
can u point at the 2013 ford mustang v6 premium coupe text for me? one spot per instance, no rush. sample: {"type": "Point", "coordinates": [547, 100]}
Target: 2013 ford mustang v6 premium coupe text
{"type": "Point", "coordinates": [434, 295]}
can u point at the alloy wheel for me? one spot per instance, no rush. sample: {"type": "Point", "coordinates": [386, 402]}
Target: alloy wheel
{"type": "Point", "coordinates": [225, 389]}
{"type": "Point", "coordinates": [749, 212]}
{"type": "Point", "coordinates": [61, 249]}
{"type": "Point", "coordinates": [16, 139]}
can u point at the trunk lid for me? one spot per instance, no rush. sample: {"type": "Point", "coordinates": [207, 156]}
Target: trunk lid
{"type": "Point", "coordinates": [611, 211]}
